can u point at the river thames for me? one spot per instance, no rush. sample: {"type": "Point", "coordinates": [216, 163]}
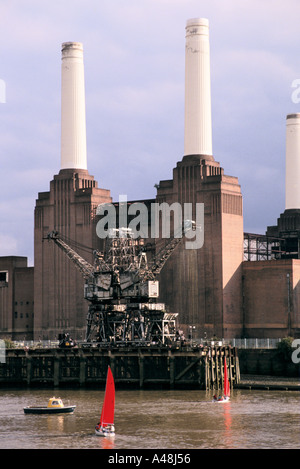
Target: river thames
{"type": "Point", "coordinates": [187, 420]}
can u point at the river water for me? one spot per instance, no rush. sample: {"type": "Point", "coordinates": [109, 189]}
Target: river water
{"type": "Point", "coordinates": [185, 420]}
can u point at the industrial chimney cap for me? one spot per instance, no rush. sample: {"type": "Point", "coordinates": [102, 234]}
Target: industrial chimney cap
{"type": "Point", "coordinates": [197, 22]}
{"type": "Point", "coordinates": [293, 116]}
{"type": "Point", "coordinates": [197, 27]}
{"type": "Point", "coordinates": [71, 45]}
{"type": "Point", "coordinates": [72, 50]}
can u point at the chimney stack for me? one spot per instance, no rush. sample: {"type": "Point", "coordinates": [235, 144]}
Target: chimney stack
{"type": "Point", "coordinates": [198, 127]}
{"type": "Point", "coordinates": [73, 125]}
{"type": "Point", "coordinates": [292, 176]}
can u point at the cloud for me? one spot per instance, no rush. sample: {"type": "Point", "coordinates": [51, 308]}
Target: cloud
{"type": "Point", "coordinates": [8, 244]}
{"type": "Point", "coordinates": [134, 72]}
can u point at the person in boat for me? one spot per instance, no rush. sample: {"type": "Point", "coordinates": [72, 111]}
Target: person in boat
{"type": "Point", "coordinates": [219, 398]}
{"type": "Point", "coordinates": [106, 428]}
{"type": "Point", "coordinates": [109, 428]}
{"type": "Point", "coordinates": [99, 427]}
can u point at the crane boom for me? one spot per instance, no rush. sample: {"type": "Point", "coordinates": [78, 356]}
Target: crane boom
{"type": "Point", "coordinates": [160, 260]}
{"type": "Point", "coordinates": [142, 273]}
{"type": "Point", "coordinates": [85, 267]}
{"type": "Point", "coordinates": [163, 255]}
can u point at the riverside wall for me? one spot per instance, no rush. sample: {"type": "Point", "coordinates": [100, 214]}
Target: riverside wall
{"type": "Point", "coordinates": [267, 362]}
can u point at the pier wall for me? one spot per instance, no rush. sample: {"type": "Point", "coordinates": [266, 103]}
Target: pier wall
{"type": "Point", "coordinates": [267, 363]}
{"type": "Point", "coordinates": [149, 367]}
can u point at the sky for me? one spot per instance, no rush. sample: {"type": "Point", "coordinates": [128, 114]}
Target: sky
{"type": "Point", "coordinates": [134, 54]}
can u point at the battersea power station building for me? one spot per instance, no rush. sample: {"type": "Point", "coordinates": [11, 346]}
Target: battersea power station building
{"type": "Point", "coordinates": [235, 285]}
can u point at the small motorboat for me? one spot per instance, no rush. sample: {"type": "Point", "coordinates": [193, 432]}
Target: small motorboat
{"type": "Point", "coordinates": [55, 406]}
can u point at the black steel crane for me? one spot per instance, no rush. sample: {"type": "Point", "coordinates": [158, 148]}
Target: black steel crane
{"type": "Point", "coordinates": [122, 290]}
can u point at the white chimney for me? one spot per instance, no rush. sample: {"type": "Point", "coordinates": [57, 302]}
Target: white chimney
{"type": "Point", "coordinates": [198, 128]}
{"type": "Point", "coordinates": [292, 168]}
{"type": "Point", "coordinates": [73, 125]}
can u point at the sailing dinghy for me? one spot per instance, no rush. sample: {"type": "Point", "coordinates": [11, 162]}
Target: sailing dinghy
{"type": "Point", "coordinates": [106, 425]}
{"type": "Point", "coordinates": [226, 396]}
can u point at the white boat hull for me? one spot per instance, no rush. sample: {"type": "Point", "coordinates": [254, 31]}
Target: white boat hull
{"type": "Point", "coordinates": [221, 401]}
{"type": "Point", "coordinates": [104, 432]}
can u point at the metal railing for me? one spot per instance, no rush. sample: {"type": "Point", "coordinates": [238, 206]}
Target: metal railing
{"type": "Point", "coordinates": [249, 343]}
{"type": "Point", "coordinates": [253, 343]}
{"type": "Point", "coordinates": [35, 343]}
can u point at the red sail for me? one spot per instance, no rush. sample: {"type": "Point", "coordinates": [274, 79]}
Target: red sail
{"type": "Point", "coordinates": [226, 382]}
{"type": "Point", "coordinates": [108, 409]}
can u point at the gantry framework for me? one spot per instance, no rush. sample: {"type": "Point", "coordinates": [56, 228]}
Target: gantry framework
{"type": "Point", "coordinates": [122, 290]}
{"type": "Point", "coordinates": [259, 247]}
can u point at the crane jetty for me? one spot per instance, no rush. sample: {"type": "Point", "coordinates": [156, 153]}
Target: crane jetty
{"type": "Point", "coordinates": [127, 328]}
{"type": "Point", "coordinates": [133, 366]}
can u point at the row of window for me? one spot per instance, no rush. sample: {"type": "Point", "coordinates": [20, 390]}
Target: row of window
{"type": "Point", "coordinates": [22, 315]}
{"type": "Point", "coordinates": [23, 302]}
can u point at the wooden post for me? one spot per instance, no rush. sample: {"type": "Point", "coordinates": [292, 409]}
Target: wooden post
{"type": "Point", "coordinates": [230, 366]}
{"type": "Point", "coordinates": [212, 371]}
{"type": "Point", "coordinates": [28, 370]}
{"type": "Point", "coordinates": [237, 370]}
{"type": "Point", "coordinates": [217, 367]}
{"type": "Point", "coordinates": [222, 369]}
{"type": "Point", "coordinates": [56, 370]}
{"type": "Point", "coordinates": [207, 372]}
{"type": "Point", "coordinates": [82, 376]}
{"type": "Point", "coordinates": [202, 373]}
{"type": "Point", "coordinates": [172, 371]}
{"type": "Point", "coordinates": [141, 370]}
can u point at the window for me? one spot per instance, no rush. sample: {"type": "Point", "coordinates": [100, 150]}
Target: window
{"type": "Point", "coordinates": [3, 278]}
